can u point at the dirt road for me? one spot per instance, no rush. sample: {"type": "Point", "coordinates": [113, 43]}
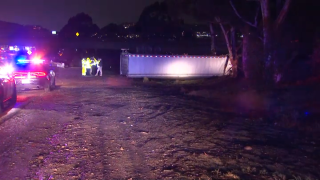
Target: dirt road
{"type": "Point", "coordinates": [110, 128]}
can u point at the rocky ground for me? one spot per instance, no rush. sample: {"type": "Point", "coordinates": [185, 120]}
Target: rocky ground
{"type": "Point", "coordinates": [113, 128]}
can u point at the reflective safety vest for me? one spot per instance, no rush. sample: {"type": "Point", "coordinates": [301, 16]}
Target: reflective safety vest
{"type": "Point", "coordinates": [88, 62]}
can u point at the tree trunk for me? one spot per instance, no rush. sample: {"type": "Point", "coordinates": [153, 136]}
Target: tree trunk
{"type": "Point", "coordinates": [213, 45]}
{"type": "Point", "coordinates": [234, 51]}
{"type": "Point", "coordinates": [252, 62]}
{"type": "Point", "coordinates": [271, 32]}
{"type": "Point", "coordinates": [267, 42]}
{"type": "Point", "coordinates": [277, 50]}
{"type": "Point", "coordinates": [245, 60]}
{"type": "Point", "coordinates": [233, 41]}
{"type": "Point", "coordinates": [231, 55]}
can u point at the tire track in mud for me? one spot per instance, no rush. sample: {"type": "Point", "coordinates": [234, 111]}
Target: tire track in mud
{"type": "Point", "coordinates": [40, 122]}
{"type": "Point", "coordinates": [90, 164]}
{"type": "Point", "coordinates": [73, 148]}
{"type": "Point", "coordinates": [173, 142]}
{"type": "Point", "coordinates": [94, 144]}
{"type": "Point", "coordinates": [126, 149]}
{"type": "Point", "coordinates": [122, 158]}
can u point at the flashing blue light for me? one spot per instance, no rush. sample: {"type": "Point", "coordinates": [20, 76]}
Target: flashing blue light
{"type": "Point", "coordinates": [23, 61]}
{"type": "Point", "coordinates": [306, 113]}
{"type": "Point", "coordinates": [34, 61]}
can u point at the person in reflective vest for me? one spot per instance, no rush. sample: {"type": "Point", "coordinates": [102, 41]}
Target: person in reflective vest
{"type": "Point", "coordinates": [99, 67]}
{"type": "Point", "coordinates": [92, 63]}
{"type": "Point", "coordinates": [84, 69]}
{"type": "Point", "coordinates": [88, 66]}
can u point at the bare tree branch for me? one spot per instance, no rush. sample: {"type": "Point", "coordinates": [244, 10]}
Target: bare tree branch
{"type": "Point", "coordinates": [218, 19]}
{"type": "Point", "coordinates": [237, 13]}
{"type": "Point", "coordinates": [257, 15]}
{"type": "Point", "coordinates": [226, 38]}
{"type": "Point", "coordinates": [215, 22]}
{"type": "Point", "coordinates": [283, 13]}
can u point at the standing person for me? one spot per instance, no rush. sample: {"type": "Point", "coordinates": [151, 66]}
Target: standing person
{"type": "Point", "coordinates": [99, 67]}
{"type": "Point", "coordinates": [84, 68]}
{"type": "Point", "coordinates": [92, 64]}
{"type": "Point", "coordinates": [88, 65]}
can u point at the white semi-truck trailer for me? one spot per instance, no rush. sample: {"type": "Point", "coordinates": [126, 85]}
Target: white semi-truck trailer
{"type": "Point", "coordinates": [172, 66]}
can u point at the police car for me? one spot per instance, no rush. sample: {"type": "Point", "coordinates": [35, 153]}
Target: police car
{"type": "Point", "coordinates": [31, 73]}
{"type": "Point", "coordinates": [8, 91]}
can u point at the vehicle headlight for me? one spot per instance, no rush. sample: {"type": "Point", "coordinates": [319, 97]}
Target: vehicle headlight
{"type": "Point", "coordinates": [9, 69]}
{"type": "Point", "coordinates": [6, 69]}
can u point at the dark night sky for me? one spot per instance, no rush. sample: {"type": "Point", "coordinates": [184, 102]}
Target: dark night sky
{"type": "Point", "coordinates": [54, 14]}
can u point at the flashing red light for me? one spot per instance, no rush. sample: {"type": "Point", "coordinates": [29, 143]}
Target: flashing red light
{"type": "Point", "coordinates": [37, 61]}
{"type": "Point", "coordinates": [22, 75]}
{"type": "Point", "coordinates": [40, 74]}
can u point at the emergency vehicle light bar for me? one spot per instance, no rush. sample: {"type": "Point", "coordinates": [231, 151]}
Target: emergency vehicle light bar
{"type": "Point", "coordinates": [23, 61]}
{"type": "Point", "coordinates": [36, 61]}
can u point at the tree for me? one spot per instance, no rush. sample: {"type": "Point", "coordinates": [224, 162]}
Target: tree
{"type": "Point", "coordinates": [271, 28]}
{"type": "Point", "coordinates": [218, 11]}
{"type": "Point", "coordinates": [81, 23]}
{"type": "Point", "coordinates": [111, 30]}
{"type": "Point", "coordinates": [215, 13]}
{"type": "Point", "coordinates": [156, 21]}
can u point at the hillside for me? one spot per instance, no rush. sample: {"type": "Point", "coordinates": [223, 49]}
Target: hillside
{"type": "Point", "coordinates": [10, 30]}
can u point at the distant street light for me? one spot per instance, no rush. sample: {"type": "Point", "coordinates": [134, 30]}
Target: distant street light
{"type": "Point", "coordinates": [77, 34]}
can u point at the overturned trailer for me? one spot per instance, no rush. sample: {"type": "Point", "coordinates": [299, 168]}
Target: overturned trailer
{"type": "Point", "coordinates": [172, 66]}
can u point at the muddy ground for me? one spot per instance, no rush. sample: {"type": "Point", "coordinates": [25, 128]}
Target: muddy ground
{"type": "Point", "coordinates": [114, 128]}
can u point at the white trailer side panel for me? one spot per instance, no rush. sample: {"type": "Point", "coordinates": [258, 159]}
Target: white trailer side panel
{"type": "Point", "coordinates": [173, 66]}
